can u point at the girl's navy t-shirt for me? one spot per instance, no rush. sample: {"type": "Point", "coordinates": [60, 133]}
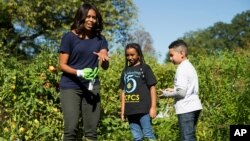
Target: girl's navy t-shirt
{"type": "Point", "coordinates": [80, 56]}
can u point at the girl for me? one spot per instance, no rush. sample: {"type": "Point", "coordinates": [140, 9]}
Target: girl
{"type": "Point", "coordinates": [138, 97]}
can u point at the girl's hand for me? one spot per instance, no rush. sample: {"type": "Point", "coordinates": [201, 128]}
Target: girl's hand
{"type": "Point", "coordinates": [122, 117]}
{"type": "Point", "coordinates": [152, 112]}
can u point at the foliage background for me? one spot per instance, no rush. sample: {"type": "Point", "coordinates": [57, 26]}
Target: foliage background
{"type": "Point", "coordinates": [29, 95]}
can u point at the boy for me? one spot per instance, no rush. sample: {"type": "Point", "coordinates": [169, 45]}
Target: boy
{"type": "Point", "coordinates": [185, 91]}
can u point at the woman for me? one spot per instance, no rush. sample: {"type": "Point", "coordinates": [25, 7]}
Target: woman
{"type": "Point", "coordinates": [82, 50]}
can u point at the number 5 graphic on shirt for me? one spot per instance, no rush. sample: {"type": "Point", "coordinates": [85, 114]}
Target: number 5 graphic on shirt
{"type": "Point", "coordinates": [131, 84]}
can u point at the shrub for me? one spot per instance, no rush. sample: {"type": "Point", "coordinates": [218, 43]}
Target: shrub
{"type": "Point", "coordinates": [30, 106]}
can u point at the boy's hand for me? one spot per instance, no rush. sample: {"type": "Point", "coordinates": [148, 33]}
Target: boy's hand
{"type": "Point", "coordinates": [170, 89]}
{"type": "Point", "coordinates": [165, 92]}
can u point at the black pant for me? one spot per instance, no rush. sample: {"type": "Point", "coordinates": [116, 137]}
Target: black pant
{"type": "Point", "coordinates": [76, 101]}
{"type": "Point", "coordinates": [187, 124]}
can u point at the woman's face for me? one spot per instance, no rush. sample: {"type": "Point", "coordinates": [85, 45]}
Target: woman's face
{"type": "Point", "coordinates": [90, 20]}
{"type": "Point", "coordinates": [132, 56]}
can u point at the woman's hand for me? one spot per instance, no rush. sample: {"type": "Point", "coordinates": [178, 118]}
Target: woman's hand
{"type": "Point", "coordinates": [103, 58]}
{"type": "Point", "coordinates": [102, 55]}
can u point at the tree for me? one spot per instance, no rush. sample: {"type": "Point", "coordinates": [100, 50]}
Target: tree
{"type": "Point", "coordinates": [221, 35]}
{"type": "Point", "coordinates": [27, 25]}
{"type": "Point", "coordinates": [241, 26]}
{"type": "Point", "coordinates": [145, 40]}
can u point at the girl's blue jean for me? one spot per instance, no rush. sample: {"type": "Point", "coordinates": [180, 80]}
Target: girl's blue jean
{"type": "Point", "coordinates": [140, 126]}
{"type": "Point", "coordinates": [187, 125]}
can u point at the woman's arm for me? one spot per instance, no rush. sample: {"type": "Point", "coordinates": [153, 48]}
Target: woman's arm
{"type": "Point", "coordinates": [63, 60]}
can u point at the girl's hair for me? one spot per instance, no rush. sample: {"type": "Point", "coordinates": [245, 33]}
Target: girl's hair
{"type": "Point", "coordinates": [137, 47]}
{"type": "Point", "coordinates": [81, 15]}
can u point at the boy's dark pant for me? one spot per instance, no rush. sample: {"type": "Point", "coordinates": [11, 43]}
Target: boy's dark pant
{"type": "Point", "coordinates": [187, 124]}
{"type": "Point", "coordinates": [76, 101]}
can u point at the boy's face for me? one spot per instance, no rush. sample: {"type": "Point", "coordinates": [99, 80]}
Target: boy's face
{"type": "Point", "coordinates": [176, 57]}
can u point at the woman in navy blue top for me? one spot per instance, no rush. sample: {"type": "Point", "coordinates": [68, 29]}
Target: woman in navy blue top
{"type": "Point", "coordinates": [82, 50]}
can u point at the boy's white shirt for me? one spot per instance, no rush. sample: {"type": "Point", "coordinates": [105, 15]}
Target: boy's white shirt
{"type": "Point", "coordinates": [186, 78]}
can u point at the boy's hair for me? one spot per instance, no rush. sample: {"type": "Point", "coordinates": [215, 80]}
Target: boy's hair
{"type": "Point", "coordinates": [178, 46]}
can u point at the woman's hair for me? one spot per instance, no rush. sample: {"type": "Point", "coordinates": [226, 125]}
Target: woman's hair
{"type": "Point", "coordinates": [81, 15]}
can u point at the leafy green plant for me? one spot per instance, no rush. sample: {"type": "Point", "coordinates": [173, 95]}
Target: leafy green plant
{"type": "Point", "coordinates": [30, 106]}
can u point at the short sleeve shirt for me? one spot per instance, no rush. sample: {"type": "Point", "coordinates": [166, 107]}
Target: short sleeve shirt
{"type": "Point", "coordinates": [80, 56]}
{"type": "Point", "coordinates": [135, 81]}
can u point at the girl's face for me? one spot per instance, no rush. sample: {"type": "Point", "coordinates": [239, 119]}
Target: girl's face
{"type": "Point", "coordinates": [90, 20]}
{"type": "Point", "coordinates": [175, 56]}
{"type": "Point", "coordinates": [132, 56]}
